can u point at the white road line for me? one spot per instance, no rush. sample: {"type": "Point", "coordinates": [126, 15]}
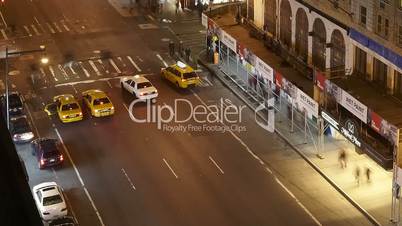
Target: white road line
{"type": "Point", "coordinates": [115, 66]}
{"type": "Point", "coordinates": [33, 123]}
{"type": "Point", "coordinates": [261, 162]}
{"type": "Point", "coordinates": [140, 59]}
{"type": "Point", "coordinates": [163, 61]}
{"type": "Point", "coordinates": [217, 166]}
{"type": "Point", "coordinates": [125, 106]}
{"type": "Point", "coordinates": [207, 80]}
{"type": "Point", "coordinates": [68, 201]}
{"type": "Point", "coordinates": [42, 71]}
{"type": "Point", "coordinates": [110, 85]}
{"type": "Point", "coordinates": [64, 25]}
{"type": "Point", "coordinates": [103, 66]}
{"type": "Point", "coordinates": [57, 27]}
{"type": "Point", "coordinates": [129, 179]}
{"type": "Point", "coordinates": [36, 20]}
{"type": "Point", "coordinates": [3, 32]}
{"type": "Point", "coordinates": [72, 69]}
{"type": "Point", "coordinates": [298, 202]}
{"type": "Point", "coordinates": [35, 30]}
{"type": "Point", "coordinates": [150, 17]}
{"type": "Point", "coordinates": [53, 74]}
{"type": "Point", "coordinates": [79, 178]}
{"type": "Point", "coordinates": [63, 71]}
{"type": "Point", "coordinates": [50, 28]}
{"type": "Point", "coordinates": [85, 70]}
{"type": "Point", "coordinates": [100, 79]}
{"type": "Point", "coordinates": [2, 18]}
{"type": "Point", "coordinates": [27, 30]}
{"type": "Point", "coordinates": [75, 90]}
{"type": "Point", "coordinates": [121, 60]}
{"type": "Point", "coordinates": [134, 64]}
{"type": "Point", "coordinates": [171, 170]}
{"type": "Point", "coordinates": [94, 67]}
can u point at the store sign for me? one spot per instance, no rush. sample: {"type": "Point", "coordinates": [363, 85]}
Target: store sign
{"type": "Point", "coordinates": [330, 120]}
{"type": "Point", "coordinates": [204, 20]}
{"type": "Point", "coordinates": [266, 71]}
{"type": "Point", "coordinates": [354, 106]}
{"type": "Point", "coordinates": [229, 41]}
{"type": "Point", "coordinates": [350, 131]}
{"type": "Point", "coordinates": [306, 103]}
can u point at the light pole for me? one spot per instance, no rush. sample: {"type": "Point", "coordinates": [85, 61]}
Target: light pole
{"type": "Point", "coordinates": [44, 60]}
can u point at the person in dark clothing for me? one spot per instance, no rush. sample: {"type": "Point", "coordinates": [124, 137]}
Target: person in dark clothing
{"type": "Point", "coordinates": [171, 48]}
{"type": "Point", "coordinates": [187, 52]}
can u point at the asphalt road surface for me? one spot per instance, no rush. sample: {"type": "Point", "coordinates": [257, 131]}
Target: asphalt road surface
{"type": "Point", "coordinates": [121, 172]}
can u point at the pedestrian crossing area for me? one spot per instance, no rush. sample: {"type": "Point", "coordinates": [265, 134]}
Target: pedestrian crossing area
{"type": "Point", "coordinates": [93, 69]}
{"type": "Point", "coordinates": [39, 29]}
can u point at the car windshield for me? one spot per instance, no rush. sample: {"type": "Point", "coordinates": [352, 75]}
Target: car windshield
{"type": "Point", "coordinates": [144, 85]}
{"type": "Point", "coordinates": [51, 200]}
{"type": "Point", "coordinates": [14, 101]}
{"type": "Point", "coordinates": [20, 126]}
{"type": "Point", "coordinates": [188, 75]}
{"type": "Point", "coordinates": [101, 101]}
{"type": "Point", "coordinates": [69, 107]}
{"type": "Point", "coordinates": [49, 147]}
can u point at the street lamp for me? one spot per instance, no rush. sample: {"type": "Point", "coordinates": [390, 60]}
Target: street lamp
{"type": "Point", "coordinates": [44, 60]}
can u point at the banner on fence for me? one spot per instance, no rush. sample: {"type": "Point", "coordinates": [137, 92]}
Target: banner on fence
{"type": "Point", "coordinates": [305, 103]}
{"type": "Point", "coordinates": [204, 20]}
{"type": "Point", "coordinates": [354, 106]}
{"type": "Point", "coordinates": [266, 71]}
{"type": "Point", "coordinates": [229, 41]}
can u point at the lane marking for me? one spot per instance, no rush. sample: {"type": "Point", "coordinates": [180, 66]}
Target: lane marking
{"type": "Point", "coordinates": [171, 170]}
{"type": "Point", "coordinates": [68, 201]}
{"type": "Point", "coordinates": [57, 27]}
{"type": "Point", "coordinates": [63, 23]}
{"type": "Point", "coordinates": [121, 60]}
{"type": "Point", "coordinates": [79, 177]}
{"type": "Point", "coordinates": [36, 20]}
{"type": "Point", "coordinates": [72, 69]}
{"type": "Point", "coordinates": [63, 71]}
{"type": "Point", "coordinates": [217, 166]}
{"type": "Point", "coordinates": [100, 79]}
{"type": "Point", "coordinates": [2, 18]}
{"type": "Point", "coordinates": [298, 202]}
{"type": "Point", "coordinates": [33, 123]}
{"type": "Point", "coordinates": [115, 66]}
{"type": "Point", "coordinates": [42, 71]}
{"type": "Point", "coordinates": [75, 90]}
{"type": "Point", "coordinates": [53, 74]}
{"type": "Point", "coordinates": [50, 28]}
{"type": "Point", "coordinates": [27, 30]}
{"type": "Point", "coordinates": [103, 66]}
{"type": "Point", "coordinates": [163, 61]}
{"type": "Point", "coordinates": [140, 59]}
{"type": "Point", "coordinates": [3, 32]}
{"type": "Point", "coordinates": [129, 179]}
{"type": "Point", "coordinates": [94, 67]}
{"type": "Point", "coordinates": [207, 80]}
{"type": "Point", "coordinates": [261, 162]}
{"type": "Point", "coordinates": [35, 30]}
{"type": "Point", "coordinates": [110, 85]}
{"type": "Point", "coordinates": [133, 63]}
{"type": "Point", "coordinates": [150, 17]}
{"type": "Point", "coordinates": [83, 68]}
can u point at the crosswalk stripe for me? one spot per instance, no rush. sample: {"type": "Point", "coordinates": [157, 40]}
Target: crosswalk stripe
{"type": "Point", "coordinates": [207, 80]}
{"type": "Point", "coordinates": [63, 71]}
{"type": "Point", "coordinates": [50, 28]}
{"type": "Point", "coordinates": [83, 68]}
{"type": "Point", "coordinates": [115, 66]}
{"type": "Point", "coordinates": [133, 63]}
{"type": "Point", "coordinates": [42, 71]}
{"type": "Point", "coordinates": [57, 27]}
{"type": "Point", "coordinates": [3, 32]}
{"type": "Point", "coordinates": [103, 66]}
{"type": "Point", "coordinates": [53, 74]}
{"type": "Point", "coordinates": [27, 30]}
{"type": "Point", "coordinates": [64, 25]}
{"type": "Point", "coordinates": [163, 61]}
{"type": "Point", "coordinates": [35, 30]}
{"type": "Point", "coordinates": [121, 60]}
{"type": "Point", "coordinates": [72, 69]}
{"type": "Point", "coordinates": [94, 67]}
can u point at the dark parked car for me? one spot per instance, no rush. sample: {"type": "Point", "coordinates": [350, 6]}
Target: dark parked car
{"type": "Point", "coordinates": [47, 151]}
{"type": "Point", "coordinates": [20, 129]}
{"type": "Point", "coordinates": [15, 104]}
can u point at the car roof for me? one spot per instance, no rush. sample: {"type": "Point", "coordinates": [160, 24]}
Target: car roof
{"type": "Point", "coordinates": [139, 79]}
{"type": "Point", "coordinates": [46, 188]}
{"type": "Point", "coordinates": [96, 93]}
{"type": "Point", "coordinates": [185, 69]}
{"type": "Point", "coordinates": [66, 99]}
{"type": "Point", "coordinates": [46, 141]}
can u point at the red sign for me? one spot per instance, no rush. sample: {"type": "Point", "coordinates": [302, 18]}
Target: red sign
{"type": "Point", "coordinates": [375, 121]}
{"type": "Point", "coordinates": [278, 79]}
{"type": "Point", "coordinates": [320, 80]}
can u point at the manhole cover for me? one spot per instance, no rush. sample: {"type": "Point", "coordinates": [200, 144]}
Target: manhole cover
{"type": "Point", "coordinates": [147, 26]}
{"type": "Point", "coordinates": [15, 72]}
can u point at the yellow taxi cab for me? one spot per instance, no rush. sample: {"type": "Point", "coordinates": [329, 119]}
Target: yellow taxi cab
{"type": "Point", "coordinates": [181, 75]}
{"type": "Point", "coordinates": [98, 102]}
{"type": "Point", "coordinates": [66, 107]}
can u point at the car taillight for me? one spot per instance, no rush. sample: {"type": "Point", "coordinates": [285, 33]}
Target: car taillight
{"type": "Point", "coordinates": [42, 162]}
{"type": "Point", "coordinates": [61, 158]}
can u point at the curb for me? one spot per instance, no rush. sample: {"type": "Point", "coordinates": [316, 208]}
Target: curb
{"type": "Point", "coordinates": [314, 166]}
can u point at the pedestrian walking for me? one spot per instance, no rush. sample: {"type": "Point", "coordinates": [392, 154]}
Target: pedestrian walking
{"type": "Point", "coordinates": [342, 158]}
{"type": "Point", "coordinates": [187, 52]}
{"type": "Point", "coordinates": [171, 48]}
{"type": "Point", "coordinates": [177, 6]}
{"type": "Point", "coordinates": [368, 174]}
{"type": "Point", "coordinates": [357, 175]}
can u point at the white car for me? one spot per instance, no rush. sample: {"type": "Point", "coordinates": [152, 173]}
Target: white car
{"type": "Point", "coordinates": [50, 201]}
{"type": "Point", "coordinates": [139, 86]}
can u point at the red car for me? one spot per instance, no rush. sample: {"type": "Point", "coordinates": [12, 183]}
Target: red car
{"type": "Point", "coordinates": [47, 151]}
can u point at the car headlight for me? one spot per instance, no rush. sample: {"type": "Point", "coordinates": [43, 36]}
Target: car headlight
{"type": "Point", "coordinates": [64, 116]}
{"type": "Point", "coordinates": [80, 113]}
{"type": "Point", "coordinates": [96, 110]}
{"type": "Point", "coordinates": [27, 136]}
{"type": "Point", "coordinates": [112, 108]}
{"type": "Point", "coordinates": [141, 94]}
